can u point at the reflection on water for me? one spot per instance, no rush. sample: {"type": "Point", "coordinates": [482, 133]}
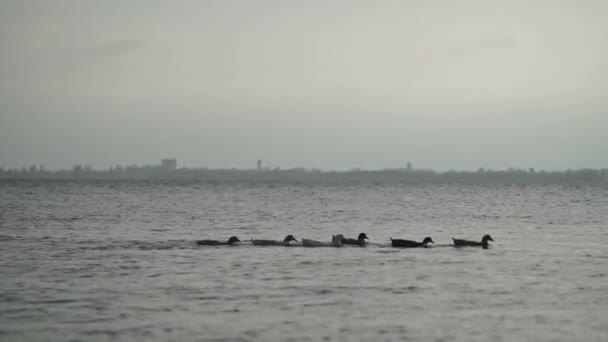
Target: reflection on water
{"type": "Point", "coordinates": [87, 260]}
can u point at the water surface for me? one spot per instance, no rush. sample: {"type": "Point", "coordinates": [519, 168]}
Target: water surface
{"type": "Point", "coordinates": [117, 260]}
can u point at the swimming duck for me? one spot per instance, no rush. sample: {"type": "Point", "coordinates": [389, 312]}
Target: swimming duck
{"type": "Point", "coordinates": [411, 244]}
{"type": "Point", "coordinates": [360, 241]}
{"type": "Point", "coordinates": [285, 241]}
{"type": "Point", "coordinates": [230, 241]}
{"type": "Point", "coordinates": [483, 243]}
{"type": "Point", "coordinates": [336, 241]}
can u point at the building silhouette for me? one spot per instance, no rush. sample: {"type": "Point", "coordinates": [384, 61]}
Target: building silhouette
{"type": "Point", "coordinates": [169, 163]}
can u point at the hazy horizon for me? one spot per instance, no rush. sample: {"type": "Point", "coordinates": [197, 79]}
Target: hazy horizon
{"type": "Point", "coordinates": [330, 85]}
{"type": "Point", "coordinates": [273, 167]}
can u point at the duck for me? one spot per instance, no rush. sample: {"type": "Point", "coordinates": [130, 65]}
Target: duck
{"type": "Point", "coordinates": [230, 242]}
{"type": "Point", "coordinates": [360, 241]}
{"type": "Point", "coordinates": [285, 241]}
{"type": "Point", "coordinates": [336, 241]}
{"type": "Point", "coordinates": [483, 243]}
{"type": "Point", "coordinates": [411, 244]}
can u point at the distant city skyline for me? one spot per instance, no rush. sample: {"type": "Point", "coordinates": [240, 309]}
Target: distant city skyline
{"type": "Point", "coordinates": [167, 171]}
{"type": "Point", "coordinates": [259, 165]}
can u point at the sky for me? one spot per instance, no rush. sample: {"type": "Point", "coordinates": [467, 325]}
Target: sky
{"type": "Point", "coordinates": [317, 84]}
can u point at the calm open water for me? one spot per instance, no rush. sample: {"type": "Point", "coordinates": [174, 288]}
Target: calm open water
{"type": "Point", "coordinates": [117, 261]}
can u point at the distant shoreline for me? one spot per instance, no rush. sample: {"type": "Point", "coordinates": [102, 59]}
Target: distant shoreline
{"type": "Point", "coordinates": [314, 176]}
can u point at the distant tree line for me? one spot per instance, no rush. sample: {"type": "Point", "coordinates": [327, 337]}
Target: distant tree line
{"type": "Point", "coordinates": [304, 176]}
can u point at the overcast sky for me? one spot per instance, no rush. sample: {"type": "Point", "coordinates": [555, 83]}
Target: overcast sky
{"type": "Point", "coordinates": [329, 84]}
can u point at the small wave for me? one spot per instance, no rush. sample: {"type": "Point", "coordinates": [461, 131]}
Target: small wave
{"type": "Point", "coordinates": [207, 298]}
{"type": "Point", "coordinates": [7, 238]}
{"type": "Point", "coordinates": [54, 301]}
{"type": "Point", "coordinates": [85, 321]}
{"type": "Point", "coordinates": [387, 251]}
{"type": "Point", "coordinates": [112, 333]}
{"type": "Point", "coordinates": [65, 219]}
{"type": "Point", "coordinates": [106, 245]}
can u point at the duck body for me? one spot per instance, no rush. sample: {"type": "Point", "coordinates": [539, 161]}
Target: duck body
{"type": "Point", "coordinates": [285, 242]}
{"type": "Point", "coordinates": [313, 243]}
{"type": "Point", "coordinates": [411, 244]}
{"type": "Point", "coordinates": [268, 243]}
{"type": "Point", "coordinates": [231, 241]}
{"type": "Point", "coordinates": [360, 241]}
{"type": "Point", "coordinates": [336, 241]}
{"type": "Point", "coordinates": [468, 243]}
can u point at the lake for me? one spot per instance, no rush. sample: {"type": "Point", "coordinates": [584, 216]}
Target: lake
{"type": "Point", "coordinates": [117, 260]}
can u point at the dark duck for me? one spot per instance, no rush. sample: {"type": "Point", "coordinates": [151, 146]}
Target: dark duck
{"type": "Point", "coordinates": [411, 244]}
{"type": "Point", "coordinates": [230, 241]}
{"type": "Point", "coordinates": [360, 241]}
{"type": "Point", "coordinates": [285, 241]}
{"type": "Point", "coordinates": [483, 243]}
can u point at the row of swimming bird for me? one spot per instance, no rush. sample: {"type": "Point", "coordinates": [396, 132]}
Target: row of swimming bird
{"type": "Point", "coordinates": [340, 240]}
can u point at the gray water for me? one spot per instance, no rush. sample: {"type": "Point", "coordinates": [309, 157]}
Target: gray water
{"type": "Point", "coordinates": [117, 261]}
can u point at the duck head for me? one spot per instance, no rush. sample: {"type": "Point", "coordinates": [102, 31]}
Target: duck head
{"type": "Point", "coordinates": [427, 240]}
{"type": "Point", "coordinates": [486, 238]}
{"type": "Point", "coordinates": [362, 237]}
{"type": "Point", "coordinates": [233, 239]}
{"type": "Point", "coordinates": [289, 238]}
